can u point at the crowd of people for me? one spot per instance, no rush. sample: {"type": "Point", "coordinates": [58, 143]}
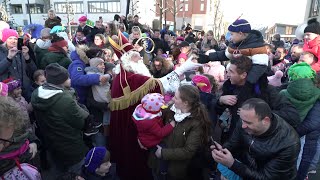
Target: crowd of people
{"type": "Point", "coordinates": [120, 100]}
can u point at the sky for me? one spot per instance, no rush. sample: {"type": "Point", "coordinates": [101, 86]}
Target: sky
{"type": "Point", "coordinates": [261, 13]}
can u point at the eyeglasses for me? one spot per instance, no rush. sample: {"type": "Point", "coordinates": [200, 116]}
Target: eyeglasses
{"type": "Point", "coordinates": [6, 142]}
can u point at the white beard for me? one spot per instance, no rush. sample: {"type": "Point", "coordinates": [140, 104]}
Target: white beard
{"type": "Point", "coordinates": [131, 66]}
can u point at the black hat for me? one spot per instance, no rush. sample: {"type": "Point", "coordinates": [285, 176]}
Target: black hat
{"type": "Point", "coordinates": [56, 74]}
{"type": "Point", "coordinates": [183, 44]}
{"type": "Point", "coordinates": [313, 26]}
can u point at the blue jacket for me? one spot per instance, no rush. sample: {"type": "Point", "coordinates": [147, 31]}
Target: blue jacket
{"type": "Point", "coordinates": [81, 81]}
{"type": "Point", "coordinates": [310, 127]}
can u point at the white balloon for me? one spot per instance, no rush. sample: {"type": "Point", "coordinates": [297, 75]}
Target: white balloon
{"type": "Point", "coordinates": [300, 31]}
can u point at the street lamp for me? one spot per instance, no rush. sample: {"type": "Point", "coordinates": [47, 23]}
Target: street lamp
{"type": "Point", "coordinates": [29, 12]}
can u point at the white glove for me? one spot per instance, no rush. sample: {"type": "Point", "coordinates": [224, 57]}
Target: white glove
{"type": "Point", "coordinates": [187, 66]}
{"type": "Point", "coordinates": [170, 82]}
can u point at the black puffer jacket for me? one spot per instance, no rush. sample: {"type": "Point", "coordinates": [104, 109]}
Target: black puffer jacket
{"type": "Point", "coordinates": [272, 155]}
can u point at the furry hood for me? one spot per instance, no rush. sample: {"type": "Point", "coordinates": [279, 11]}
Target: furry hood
{"type": "Point", "coordinates": [80, 53]}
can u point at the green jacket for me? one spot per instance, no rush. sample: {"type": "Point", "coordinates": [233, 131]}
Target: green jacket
{"type": "Point", "coordinates": [62, 120]}
{"type": "Point", "coordinates": [54, 57]}
{"type": "Point", "coordinates": [39, 53]}
{"type": "Point", "coordinates": [181, 145]}
{"type": "Point", "coordinates": [303, 94]}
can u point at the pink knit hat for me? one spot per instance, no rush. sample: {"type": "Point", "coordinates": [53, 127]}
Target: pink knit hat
{"type": "Point", "coordinates": [82, 19]}
{"type": "Point", "coordinates": [202, 82]}
{"type": "Point", "coordinates": [151, 105]}
{"type": "Point", "coordinates": [3, 89]}
{"type": "Point", "coordinates": [6, 33]}
{"type": "Point", "coordinates": [275, 80]}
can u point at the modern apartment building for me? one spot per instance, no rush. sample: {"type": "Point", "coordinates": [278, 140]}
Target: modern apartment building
{"type": "Point", "coordinates": [19, 10]}
{"type": "Point", "coordinates": [187, 11]}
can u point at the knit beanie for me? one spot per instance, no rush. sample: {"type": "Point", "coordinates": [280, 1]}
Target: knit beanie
{"type": "Point", "coordinates": [152, 103]}
{"type": "Point", "coordinates": [45, 32]}
{"type": "Point", "coordinates": [3, 89]}
{"type": "Point", "coordinates": [301, 70]}
{"type": "Point", "coordinates": [58, 41]}
{"type": "Point", "coordinates": [94, 158]}
{"type": "Point", "coordinates": [6, 33]}
{"type": "Point", "coordinates": [12, 84]}
{"type": "Point", "coordinates": [56, 74]}
{"type": "Point", "coordinates": [57, 29]}
{"type": "Point", "coordinates": [313, 26]}
{"type": "Point", "coordinates": [202, 82]}
{"type": "Point", "coordinates": [275, 80]}
{"type": "Point", "coordinates": [82, 19]}
{"type": "Point", "coordinates": [240, 25]}
{"type": "Point", "coordinates": [94, 62]}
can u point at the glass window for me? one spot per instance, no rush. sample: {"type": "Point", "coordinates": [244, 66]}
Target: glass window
{"type": "Point", "coordinates": [314, 8]}
{"type": "Point", "coordinates": [112, 6]}
{"type": "Point", "coordinates": [288, 30]}
{"type": "Point", "coordinates": [201, 7]}
{"type": "Point", "coordinates": [35, 8]}
{"type": "Point", "coordinates": [16, 9]}
{"type": "Point", "coordinates": [75, 7]}
{"type": "Point", "coordinates": [186, 7]}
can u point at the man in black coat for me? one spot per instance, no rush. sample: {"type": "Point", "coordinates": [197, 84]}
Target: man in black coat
{"type": "Point", "coordinates": [236, 91]}
{"type": "Point", "coordinates": [263, 146]}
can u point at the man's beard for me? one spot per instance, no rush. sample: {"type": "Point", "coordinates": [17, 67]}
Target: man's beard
{"type": "Point", "coordinates": [135, 67]}
{"type": "Point", "coordinates": [139, 68]}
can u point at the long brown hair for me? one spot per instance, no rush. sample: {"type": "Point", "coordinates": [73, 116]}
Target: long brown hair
{"type": "Point", "coordinates": [190, 94]}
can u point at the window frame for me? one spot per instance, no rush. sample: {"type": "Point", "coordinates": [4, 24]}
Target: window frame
{"type": "Point", "coordinates": [13, 6]}
{"type": "Point", "coordinates": [64, 4]}
{"type": "Point", "coordinates": [105, 5]}
{"type": "Point", "coordinates": [35, 6]}
{"type": "Point", "coordinates": [202, 7]}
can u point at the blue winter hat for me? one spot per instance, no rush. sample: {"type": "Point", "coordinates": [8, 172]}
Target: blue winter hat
{"type": "Point", "coordinates": [94, 158]}
{"type": "Point", "coordinates": [240, 25]}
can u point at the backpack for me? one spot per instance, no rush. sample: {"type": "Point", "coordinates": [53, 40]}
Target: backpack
{"type": "Point", "coordinates": [22, 171]}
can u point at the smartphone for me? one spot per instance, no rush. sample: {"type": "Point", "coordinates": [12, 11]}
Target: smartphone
{"type": "Point", "coordinates": [20, 43]}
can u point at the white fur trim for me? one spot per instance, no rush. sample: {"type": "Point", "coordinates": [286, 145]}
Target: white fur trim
{"type": "Point", "coordinates": [261, 59]}
{"type": "Point", "coordinates": [229, 56]}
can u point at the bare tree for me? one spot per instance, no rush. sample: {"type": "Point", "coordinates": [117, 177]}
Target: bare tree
{"type": "Point", "coordinates": [174, 11]}
{"type": "Point", "coordinates": [217, 17]}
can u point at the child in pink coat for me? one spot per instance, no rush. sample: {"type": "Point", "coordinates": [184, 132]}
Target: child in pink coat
{"type": "Point", "coordinates": [147, 117]}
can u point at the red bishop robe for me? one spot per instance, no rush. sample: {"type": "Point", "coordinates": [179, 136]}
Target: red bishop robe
{"type": "Point", "coordinates": [127, 91]}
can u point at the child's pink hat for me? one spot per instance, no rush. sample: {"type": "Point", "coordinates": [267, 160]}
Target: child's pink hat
{"type": "Point", "coordinates": [151, 104]}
